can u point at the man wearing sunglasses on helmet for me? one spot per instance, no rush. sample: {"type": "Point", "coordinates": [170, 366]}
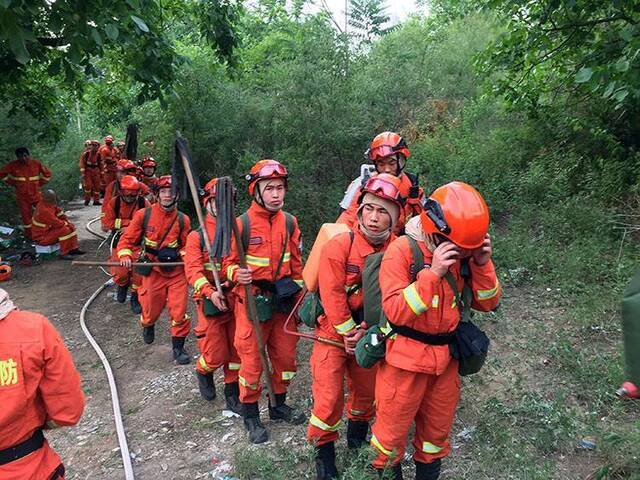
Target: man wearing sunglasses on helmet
{"type": "Point", "coordinates": [388, 152]}
{"type": "Point", "coordinates": [418, 383]}
{"type": "Point", "coordinates": [340, 279]}
{"type": "Point", "coordinates": [271, 240]}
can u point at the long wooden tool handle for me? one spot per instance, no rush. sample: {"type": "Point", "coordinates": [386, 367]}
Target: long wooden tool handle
{"type": "Point", "coordinates": [252, 312]}
{"type": "Point", "coordinates": [198, 209]}
{"type": "Point", "coordinates": [88, 263]}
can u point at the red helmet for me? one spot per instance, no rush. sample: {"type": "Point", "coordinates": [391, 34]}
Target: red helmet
{"type": "Point", "coordinates": [129, 185]}
{"type": "Point", "coordinates": [210, 191]}
{"type": "Point", "coordinates": [108, 139]}
{"type": "Point", "coordinates": [124, 165]}
{"type": "Point", "coordinates": [5, 272]}
{"type": "Point", "coordinates": [386, 144]}
{"type": "Point", "coordinates": [458, 212]}
{"type": "Point", "coordinates": [265, 169]}
{"type": "Point", "coordinates": [164, 182]}
{"type": "Point", "coordinates": [385, 186]}
{"type": "Point", "coordinates": [149, 162]}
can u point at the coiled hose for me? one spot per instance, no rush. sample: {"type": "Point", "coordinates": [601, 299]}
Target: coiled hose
{"type": "Point", "coordinates": [117, 415]}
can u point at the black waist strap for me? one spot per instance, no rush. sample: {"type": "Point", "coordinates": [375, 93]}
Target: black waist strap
{"type": "Point", "coordinates": [22, 449]}
{"type": "Point", "coordinates": [440, 339]}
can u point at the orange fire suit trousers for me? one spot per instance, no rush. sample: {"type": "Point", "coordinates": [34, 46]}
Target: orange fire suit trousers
{"type": "Point", "coordinates": [403, 397]}
{"type": "Point", "coordinates": [65, 235]}
{"type": "Point", "coordinates": [329, 366]}
{"type": "Point", "coordinates": [215, 343]}
{"type": "Point", "coordinates": [123, 276]}
{"type": "Point", "coordinates": [281, 350]}
{"type": "Point", "coordinates": [26, 207]}
{"type": "Point", "coordinates": [91, 184]}
{"type": "Point", "coordinates": [158, 291]}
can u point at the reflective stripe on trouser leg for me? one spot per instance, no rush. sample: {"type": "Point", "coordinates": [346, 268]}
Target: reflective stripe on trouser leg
{"type": "Point", "coordinates": [398, 396]}
{"type": "Point", "coordinates": [282, 353]}
{"type": "Point", "coordinates": [247, 348]}
{"type": "Point", "coordinates": [177, 298]}
{"type": "Point", "coordinates": [360, 390]}
{"type": "Point", "coordinates": [327, 374]}
{"type": "Point", "coordinates": [436, 415]}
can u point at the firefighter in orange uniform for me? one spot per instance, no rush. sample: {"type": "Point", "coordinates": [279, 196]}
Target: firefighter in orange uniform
{"type": "Point", "coordinates": [419, 382]}
{"type": "Point", "coordinates": [120, 147]}
{"type": "Point", "coordinates": [161, 232]}
{"type": "Point", "coordinates": [40, 390]}
{"type": "Point", "coordinates": [51, 226]}
{"type": "Point", "coordinates": [340, 281]}
{"type": "Point", "coordinates": [149, 178]}
{"type": "Point", "coordinates": [117, 216]}
{"type": "Point", "coordinates": [27, 175]}
{"type": "Point", "coordinates": [90, 171]}
{"type": "Point", "coordinates": [273, 262]}
{"type": "Point", "coordinates": [388, 152]}
{"type": "Point", "coordinates": [109, 155]}
{"type": "Point", "coordinates": [216, 328]}
{"type": "Point", "coordinates": [124, 167]}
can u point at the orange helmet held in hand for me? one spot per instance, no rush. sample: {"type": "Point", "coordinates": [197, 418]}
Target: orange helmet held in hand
{"type": "Point", "coordinates": [458, 212]}
{"type": "Point", "coordinates": [265, 169]}
{"type": "Point", "coordinates": [129, 185]}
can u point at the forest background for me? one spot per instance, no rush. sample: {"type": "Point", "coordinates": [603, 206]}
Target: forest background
{"type": "Point", "coordinates": [535, 103]}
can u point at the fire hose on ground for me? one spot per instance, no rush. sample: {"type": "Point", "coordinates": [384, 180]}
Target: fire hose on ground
{"type": "Point", "coordinates": [117, 415]}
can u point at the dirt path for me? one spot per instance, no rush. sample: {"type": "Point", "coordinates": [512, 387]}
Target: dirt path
{"type": "Point", "coordinates": [174, 434]}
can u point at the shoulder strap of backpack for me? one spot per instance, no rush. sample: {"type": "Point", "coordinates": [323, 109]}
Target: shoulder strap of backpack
{"type": "Point", "coordinates": [140, 201]}
{"type": "Point", "coordinates": [290, 226]}
{"type": "Point", "coordinates": [246, 230]}
{"type": "Point", "coordinates": [145, 222]}
{"type": "Point", "coordinates": [118, 206]}
{"type": "Point", "coordinates": [417, 258]}
{"type": "Point", "coordinates": [467, 292]}
{"type": "Point", "coordinates": [288, 218]}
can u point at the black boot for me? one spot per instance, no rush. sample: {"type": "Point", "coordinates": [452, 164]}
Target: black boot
{"type": "Point", "coordinates": [121, 295]}
{"type": "Point", "coordinates": [206, 386]}
{"type": "Point", "coordinates": [251, 414]}
{"type": "Point", "coordinates": [391, 473]}
{"type": "Point", "coordinates": [135, 303]}
{"type": "Point", "coordinates": [284, 412]}
{"type": "Point", "coordinates": [428, 471]}
{"type": "Point", "coordinates": [180, 355]}
{"type": "Point", "coordinates": [86, 202]}
{"type": "Point", "coordinates": [149, 334]}
{"type": "Point", "coordinates": [97, 202]}
{"type": "Point", "coordinates": [326, 462]}
{"type": "Point", "coordinates": [356, 433]}
{"type": "Point", "coordinates": [232, 397]}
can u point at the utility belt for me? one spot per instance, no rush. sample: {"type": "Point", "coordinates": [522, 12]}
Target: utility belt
{"type": "Point", "coordinates": [278, 296]}
{"type": "Point", "coordinates": [22, 449]}
{"type": "Point", "coordinates": [91, 166]}
{"type": "Point", "coordinates": [163, 255]}
{"type": "Point", "coordinates": [439, 339]}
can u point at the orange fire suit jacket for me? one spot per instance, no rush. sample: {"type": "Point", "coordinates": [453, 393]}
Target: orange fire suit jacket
{"type": "Point", "coordinates": [115, 219]}
{"type": "Point", "coordinates": [411, 208]}
{"type": "Point", "coordinates": [427, 305]}
{"type": "Point", "coordinates": [198, 266]}
{"type": "Point", "coordinates": [39, 386]}
{"type": "Point", "coordinates": [27, 177]}
{"type": "Point", "coordinates": [90, 160]}
{"type": "Point", "coordinates": [47, 216]}
{"type": "Point", "coordinates": [159, 222]}
{"type": "Point", "coordinates": [109, 156]}
{"type": "Point", "coordinates": [340, 280]}
{"type": "Point", "coordinates": [266, 242]}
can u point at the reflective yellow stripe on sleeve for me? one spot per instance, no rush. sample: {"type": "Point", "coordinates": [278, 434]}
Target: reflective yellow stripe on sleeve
{"type": "Point", "coordinates": [230, 270]}
{"type": "Point", "coordinates": [428, 447]}
{"type": "Point", "coordinates": [151, 243]}
{"type": "Point", "coordinates": [125, 252]}
{"type": "Point", "coordinates": [316, 422]}
{"type": "Point", "coordinates": [33, 179]}
{"type": "Point", "coordinates": [38, 224]}
{"type": "Point", "coordinates": [412, 298]}
{"type": "Point", "coordinates": [173, 244]}
{"type": "Point", "coordinates": [488, 294]}
{"type": "Point", "coordinates": [345, 327]}
{"type": "Point", "coordinates": [118, 223]}
{"type": "Point", "coordinates": [199, 283]}
{"type": "Point", "coordinates": [286, 258]}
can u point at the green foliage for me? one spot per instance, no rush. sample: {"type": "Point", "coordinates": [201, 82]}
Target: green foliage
{"type": "Point", "coordinates": [367, 19]}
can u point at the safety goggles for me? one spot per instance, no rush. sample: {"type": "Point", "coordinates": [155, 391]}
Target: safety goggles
{"type": "Point", "coordinates": [382, 188]}
{"type": "Point", "coordinates": [384, 151]}
{"type": "Point", "coordinates": [433, 210]}
{"type": "Point", "coordinates": [267, 171]}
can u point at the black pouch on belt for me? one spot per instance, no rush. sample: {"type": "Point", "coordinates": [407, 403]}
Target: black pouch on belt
{"type": "Point", "coordinates": [168, 255]}
{"type": "Point", "coordinates": [284, 294]}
